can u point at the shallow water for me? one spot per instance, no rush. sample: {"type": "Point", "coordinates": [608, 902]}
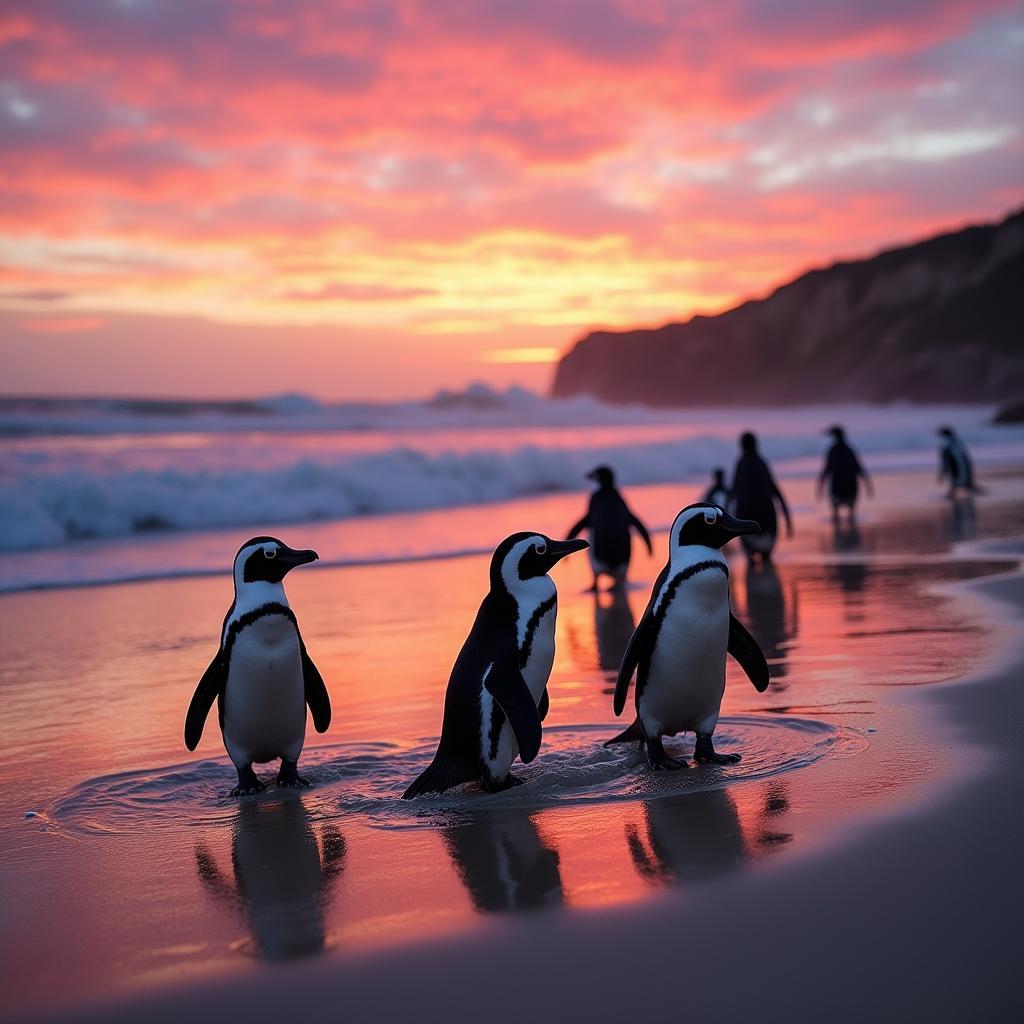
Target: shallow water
{"type": "Point", "coordinates": [366, 780]}
{"type": "Point", "coordinates": [135, 868]}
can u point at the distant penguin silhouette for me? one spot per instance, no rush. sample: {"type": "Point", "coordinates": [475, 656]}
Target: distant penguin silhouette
{"type": "Point", "coordinates": [955, 464]}
{"type": "Point", "coordinates": [261, 676]}
{"type": "Point", "coordinates": [608, 521]}
{"type": "Point", "coordinates": [718, 493]}
{"type": "Point", "coordinates": [282, 876]}
{"type": "Point", "coordinates": [843, 472]}
{"type": "Point", "coordinates": [754, 494]}
{"type": "Point", "coordinates": [505, 863]}
{"type": "Point", "coordinates": [497, 694]}
{"type": "Point", "coordinates": [678, 650]}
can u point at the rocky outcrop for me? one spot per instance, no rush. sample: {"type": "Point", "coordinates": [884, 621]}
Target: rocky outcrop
{"type": "Point", "coordinates": [936, 321]}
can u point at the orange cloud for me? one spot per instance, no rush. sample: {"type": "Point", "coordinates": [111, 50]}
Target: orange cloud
{"type": "Point", "coordinates": [430, 169]}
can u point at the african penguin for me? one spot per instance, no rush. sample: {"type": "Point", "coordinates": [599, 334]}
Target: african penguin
{"type": "Point", "coordinates": [497, 694]}
{"type": "Point", "coordinates": [678, 649]}
{"type": "Point", "coordinates": [608, 521]}
{"type": "Point", "coordinates": [261, 677]}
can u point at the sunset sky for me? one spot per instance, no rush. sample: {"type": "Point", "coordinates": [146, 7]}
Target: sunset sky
{"type": "Point", "coordinates": [378, 199]}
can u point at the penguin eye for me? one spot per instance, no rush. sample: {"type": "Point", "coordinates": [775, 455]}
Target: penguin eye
{"type": "Point", "coordinates": [711, 516]}
{"type": "Point", "coordinates": [540, 548]}
{"type": "Point", "coordinates": [270, 552]}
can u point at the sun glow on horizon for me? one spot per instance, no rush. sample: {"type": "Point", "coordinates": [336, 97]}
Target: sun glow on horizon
{"type": "Point", "coordinates": [390, 178]}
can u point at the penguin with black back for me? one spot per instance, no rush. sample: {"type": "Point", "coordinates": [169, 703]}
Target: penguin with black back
{"type": "Point", "coordinates": [843, 471]}
{"type": "Point", "coordinates": [261, 676]}
{"type": "Point", "coordinates": [678, 649]}
{"type": "Point", "coordinates": [609, 520]}
{"type": "Point", "coordinates": [497, 694]}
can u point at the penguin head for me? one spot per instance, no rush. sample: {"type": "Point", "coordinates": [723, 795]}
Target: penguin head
{"type": "Point", "coordinates": [267, 560]}
{"type": "Point", "coordinates": [527, 556]}
{"type": "Point", "coordinates": [603, 475]}
{"type": "Point", "coordinates": [707, 525]}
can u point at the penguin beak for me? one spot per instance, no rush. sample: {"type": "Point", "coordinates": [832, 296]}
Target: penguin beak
{"type": "Point", "coordinates": [290, 558]}
{"type": "Point", "coordinates": [558, 549]}
{"type": "Point", "coordinates": [739, 527]}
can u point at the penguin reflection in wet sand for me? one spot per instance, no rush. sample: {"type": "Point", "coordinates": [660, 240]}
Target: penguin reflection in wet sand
{"type": "Point", "coordinates": [261, 677]}
{"type": "Point", "coordinates": [497, 694]}
{"type": "Point", "coordinates": [678, 650]}
{"type": "Point", "coordinates": [608, 520]}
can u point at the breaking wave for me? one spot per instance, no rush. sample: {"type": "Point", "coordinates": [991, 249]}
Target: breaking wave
{"type": "Point", "coordinates": [106, 470]}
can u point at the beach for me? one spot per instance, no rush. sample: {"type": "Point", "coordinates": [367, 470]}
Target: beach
{"type": "Point", "coordinates": [867, 843]}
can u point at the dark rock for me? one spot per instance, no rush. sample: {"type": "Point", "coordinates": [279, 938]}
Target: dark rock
{"type": "Point", "coordinates": [938, 321]}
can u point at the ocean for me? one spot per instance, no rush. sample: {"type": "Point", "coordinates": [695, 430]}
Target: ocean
{"type": "Point", "coordinates": [108, 490]}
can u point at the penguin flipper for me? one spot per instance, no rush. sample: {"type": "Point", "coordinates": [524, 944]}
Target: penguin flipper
{"type": "Point", "coordinates": [640, 643]}
{"type": "Point", "coordinates": [744, 648]}
{"type": "Point", "coordinates": [544, 706]}
{"type": "Point", "coordinates": [209, 688]}
{"type": "Point", "coordinates": [505, 683]}
{"type": "Point", "coordinates": [317, 698]}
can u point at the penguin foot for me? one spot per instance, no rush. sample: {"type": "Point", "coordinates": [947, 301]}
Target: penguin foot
{"type": "Point", "coordinates": [714, 758]}
{"type": "Point", "coordinates": [705, 753]}
{"type": "Point", "coordinates": [248, 783]}
{"type": "Point", "coordinates": [289, 776]}
{"type": "Point", "coordinates": [658, 759]}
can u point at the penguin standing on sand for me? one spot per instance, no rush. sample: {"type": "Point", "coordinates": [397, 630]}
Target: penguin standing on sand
{"type": "Point", "coordinates": [261, 677]}
{"type": "Point", "coordinates": [754, 496]}
{"type": "Point", "coordinates": [609, 519]}
{"type": "Point", "coordinates": [678, 650]}
{"type": "Point", "coordinates": [843, 471]}
{"type": "Point", "coordinates": [955, 464]}
{"type": "Point", "coordinates": [497, 694]}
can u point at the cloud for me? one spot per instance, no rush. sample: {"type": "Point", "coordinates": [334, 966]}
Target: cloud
{"type": "Point", "coordinates": [37, 295]}
{"type": "Point", "coordinates": [337, 290]}
{"type": "Point", "coordinates": [478, 165]}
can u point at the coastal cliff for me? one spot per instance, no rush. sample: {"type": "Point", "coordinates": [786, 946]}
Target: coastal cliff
{"type": "Point", "coordinates": [937, 321]}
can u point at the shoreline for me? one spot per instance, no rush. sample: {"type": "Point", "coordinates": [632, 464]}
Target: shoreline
{"type": "Point", "coordinates": [922, 899]}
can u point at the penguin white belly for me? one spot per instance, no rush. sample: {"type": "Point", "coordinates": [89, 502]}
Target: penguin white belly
{"type": "Point", "coordinates": [686, 678]}
{"type": "Point", "coordinates": [536, 672]}
{"type": "Point", "coordinates": [537, 669]}
{"type": "Point", "coordinates": [264, 698]}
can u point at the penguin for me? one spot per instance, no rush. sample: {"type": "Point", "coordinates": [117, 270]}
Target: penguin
{"type": "Point", "coordinates": [678, 649]}
{"type": "Point", "coordinates": [955, 463]}
{"type": "Point", "coordinates": [843, 471]}
{"type": "Point", "coordinates": [497, 694]}
{"type": "Point", "coordinates": [608, 521]}
{"type": "Point", "coordinates": [261, 676]}
{"type": "Point", "coordinates": [754, 496]}
{"type": "Point", "coordinates": [718, 493]}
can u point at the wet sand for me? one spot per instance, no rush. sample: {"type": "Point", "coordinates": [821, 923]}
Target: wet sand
{"type": "Point", "coordinates": [878, 878]}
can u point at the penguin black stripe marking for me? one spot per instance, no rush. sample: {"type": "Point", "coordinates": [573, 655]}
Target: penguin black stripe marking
{"type": "Point", "coordinates": [271, 608]}
{"type": "Point", "coordinates": [678, 650]}
{"type": "Point", "coordinates": [261, 676]}
{"type": "Point", "coordinates": [498, 685]}
{"type": "Point", "coordinates": [531, 627]}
